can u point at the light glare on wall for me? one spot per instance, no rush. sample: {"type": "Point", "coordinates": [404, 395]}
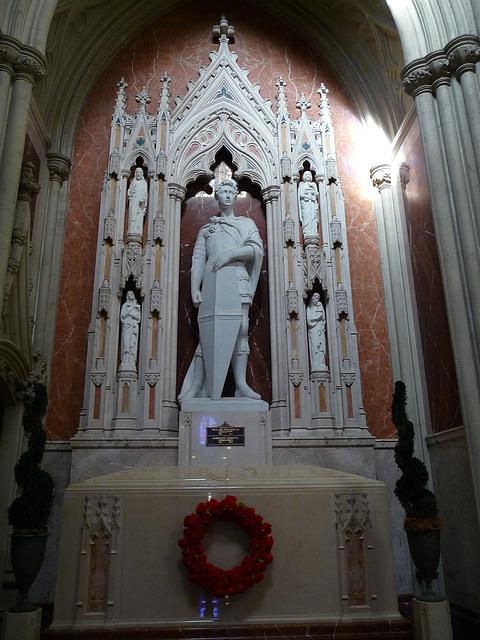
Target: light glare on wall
{"type": "Point", "coordinates": [376, 144]}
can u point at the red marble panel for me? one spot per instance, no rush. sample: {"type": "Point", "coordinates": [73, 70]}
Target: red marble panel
{"type": "Point", "coordinates": [440, 374]}
{"type": "Point", "coordinates": [355, 552]}
{"type": "Point", "coordinates": [98, 571]}
{"type": "Point", "coordinates": [180, 43]}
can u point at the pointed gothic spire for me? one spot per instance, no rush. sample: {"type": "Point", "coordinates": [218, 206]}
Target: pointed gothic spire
{"type": "Point", "coordinates": [324, 105]}
{"type": "Point", "coordinates": [282, 107]}
{"type": "Point", "coordinates": [121, 97]}
{"type": "Point", "coordinates": [303, 104]}
{"type": "Point", "coordinates": [143, 98]}
{"type": "Point", "coordinates": [164, 102]}
{"type": "Point", "coordinates": [223, 32]}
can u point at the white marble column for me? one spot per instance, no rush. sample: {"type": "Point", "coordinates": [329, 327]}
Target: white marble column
{"type": "Point", "coordinates": [453, 222]}
{"type": "Point", "coordinates": [8, 54]}
{"type": "Point", "coordinates": [49, 280]}
{"type": "Point", "coordinates": [400, 304]}
{"type": "Point", "coordinates": [28, 67]}
{"type": "Point", "coordinates": [17, 286]}
{"type": "Point", "coordinates": [463, 54]}
{"type": "Point", "coordinates": [176, 195]}
{"type": "Point", "coordinates": [276, 288]}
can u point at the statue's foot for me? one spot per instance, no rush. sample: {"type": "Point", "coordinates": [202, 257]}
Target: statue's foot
{"type": "Point", "coordinates": [244, 391]}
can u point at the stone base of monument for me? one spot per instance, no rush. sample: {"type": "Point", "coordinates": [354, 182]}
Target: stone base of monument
{"type": "Point", "coordinates": [432, 620]}
{"type": "Point", "coordinates": [120, 566]}
{"type": "Point", "coordinates": [227, 432]}
{"type": "Point", "coordinates": [22, 626]}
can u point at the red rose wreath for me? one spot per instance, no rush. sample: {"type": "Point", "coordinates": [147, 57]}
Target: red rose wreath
{"type": "Point", "coordinates": [250, 571]}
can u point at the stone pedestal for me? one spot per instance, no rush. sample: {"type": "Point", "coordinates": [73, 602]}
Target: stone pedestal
{"type": "Point", "coordinates": [22, 626]}
{"type": "Point", "coordinates": [120, 565]}
{"type": "Point", "coordinates": [432, 620]}
{"type": "Point", "coordinates": [226, 432]}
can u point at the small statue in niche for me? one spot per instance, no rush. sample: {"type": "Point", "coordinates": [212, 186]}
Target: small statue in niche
{"type": "Point", "coordinates": [130, 319]}
{"type": "Point", "coordinates": [316, 323]}
{"type": "Point", "coordinates": [308, 205]}
{"type": "Point", "coordinates": [137, 203]}
{"type": "Point", "coordinates": [226, 264]}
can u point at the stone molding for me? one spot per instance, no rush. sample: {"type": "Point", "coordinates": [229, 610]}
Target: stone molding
{"type": "Point", "coordinates": [428, 73]}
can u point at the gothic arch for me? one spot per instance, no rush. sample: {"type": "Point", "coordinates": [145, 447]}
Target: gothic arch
{"type": "Point", "coordinates": [425, 27]}
{"type": "Point", "coordinates": [195, 152]}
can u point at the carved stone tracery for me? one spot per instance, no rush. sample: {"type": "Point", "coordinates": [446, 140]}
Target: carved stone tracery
{"type": "Point", "coordinates": [221, 112]}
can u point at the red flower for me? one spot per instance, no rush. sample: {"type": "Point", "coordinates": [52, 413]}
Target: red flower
{"type": "Point", "coordinates": [189, 520]}
{"type": "Point", "coordinates": [214, 505]}
{"type": "Point", "coordinates": [202, 507]}
{"type": "Point", "coordinates": [204, 518]}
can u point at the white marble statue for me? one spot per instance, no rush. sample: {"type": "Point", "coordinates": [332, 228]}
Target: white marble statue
{"type": "Point", "coordinates": [130, 319]}
{"type": "Point", "coordinates": [316, 333]}
{"type": "Point", "coordinates": [226, 265]}
{"type": "Point", "coordinates": [308, 205]}
{"type": "Point", "coordinates": [137, 203]}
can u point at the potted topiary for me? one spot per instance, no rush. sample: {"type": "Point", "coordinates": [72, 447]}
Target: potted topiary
{"type": "Point", "coordinates": [29, 513]}
{"type": "Point", "coordinates": [422, 524]}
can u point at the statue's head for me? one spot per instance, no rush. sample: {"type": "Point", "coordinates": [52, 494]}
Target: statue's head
{"type": "Point", "coordinates": [130, 297]}
{"type": "Point", "coordinates": [138, 173]}
{"type": "Point", "coordinates": [315, 298]}
{"type": "Point", "coordinates": [307, 176]}
{"type": "Point", "coordinates": [227, 183]}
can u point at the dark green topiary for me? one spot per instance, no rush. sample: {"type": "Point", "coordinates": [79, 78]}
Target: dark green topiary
{"type": "Point", "coordinates": [31, 510]}
{"type": "Point", "coordinates": [411, 488]}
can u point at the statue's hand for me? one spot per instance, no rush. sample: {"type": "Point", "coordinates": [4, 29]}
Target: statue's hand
{"type": "Point", "coordinates": [222, 260]}
{"type": "Point", "coordinates": [196, 298]}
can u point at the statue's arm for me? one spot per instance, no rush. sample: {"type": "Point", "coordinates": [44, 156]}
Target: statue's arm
{"type": "Point", "coordinates": [242, 254]}
{"type": "Point", "coordinates": [198, 265]}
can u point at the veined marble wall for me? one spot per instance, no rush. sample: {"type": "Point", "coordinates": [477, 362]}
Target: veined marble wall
{"type": "Point", "coordinates": [180, 43]}
{"type": "Point", "coordinates": [440, 375]}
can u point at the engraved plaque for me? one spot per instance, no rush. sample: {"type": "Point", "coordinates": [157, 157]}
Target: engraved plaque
{"type": "Point", "coordinates": [225, 436]}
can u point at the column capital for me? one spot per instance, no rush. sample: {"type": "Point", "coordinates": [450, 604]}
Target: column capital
{"type": "Point", "coordinates": [416, 78]}
{"type": "Point", "coordinates": [381, 176]}
{"type": "Point", "coordinates": [21, 60]}
{"type": "Point", "coordinates": [439, 69]}
{"type": "Point", "coordinates": [404, 173]}
{"type": "Point", "coordinates": [463, 53]}
{"type": "Point", "coordinates": [58, 167]}
{"type": "Point", "coordinates": [176, 192]}
{"type": "Point", "coordinates": [270, 194]}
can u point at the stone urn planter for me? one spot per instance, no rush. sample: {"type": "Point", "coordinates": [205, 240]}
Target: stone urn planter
{"type": "Point", "coordinates": [424, 545]}
{"type": "Point", "coordinates": [30, 512]}
{"type": "Point", "coordinates": [422, 523]}
{"type": "Point", "coordinates": [28, 553]}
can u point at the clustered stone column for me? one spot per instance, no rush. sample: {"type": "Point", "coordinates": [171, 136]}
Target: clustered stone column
{"type": "Point", "coordinates": [176, 194]}
{"type": "Point", "coordinates": [271, 196]}
{"type": "Point", "coordinates": [441, 83]}
{"type": "Point", "coordinates": [400, 304]}
{"type": "Point", "coordinates": [49, 281]}
{"type": "Point", "coordinates": [20, 68]}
